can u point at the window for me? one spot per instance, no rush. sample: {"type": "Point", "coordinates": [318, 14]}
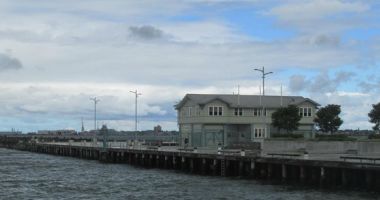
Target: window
{"type": "Point", "coordinates": [238, 111]}
{"type": "Point", "coordinates": [215, 111]}
{"type": "Point", "coordinates": [259, 132]}
{"type": "Point", "coordinates": [255, 112]}
{"type": "Point", "coordinates": [259, 112]}
{"type": "Point", "coordinates": [189, 111]}
{"type": "Point", "coordinates": [305, 112]}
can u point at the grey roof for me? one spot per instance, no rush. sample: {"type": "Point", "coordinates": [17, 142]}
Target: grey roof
{"type": "Point", "coordinates": [245, 101]}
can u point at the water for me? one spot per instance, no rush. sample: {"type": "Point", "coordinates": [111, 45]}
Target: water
{"type": "Point", "coordinates": [25, 175]}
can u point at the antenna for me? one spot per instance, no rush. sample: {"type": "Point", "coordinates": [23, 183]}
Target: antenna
{"type": "Point", "coordinates": [238, 95]}
{"type": "Point", "coordinates": [136, 96]}
{"type": "Point", "coordinates": [260, 94]}
{"type": "Point", "coordinates": [96, 101]}
{"type": "Point", "coordinates": [281, 95]}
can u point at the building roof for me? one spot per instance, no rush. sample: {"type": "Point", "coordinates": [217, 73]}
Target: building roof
{"type": "Point", "coordinates": [245, 101]}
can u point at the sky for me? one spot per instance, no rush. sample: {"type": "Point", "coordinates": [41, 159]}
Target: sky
{"type": "Point", "coordinates": [57, 54]}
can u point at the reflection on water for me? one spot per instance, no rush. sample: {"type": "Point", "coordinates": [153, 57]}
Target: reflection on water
{"type": "Point", "coordinates": [25, 175]}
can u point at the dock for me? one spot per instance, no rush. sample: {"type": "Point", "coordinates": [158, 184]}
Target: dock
{"type": "Point", "coordinates": [358, 172]}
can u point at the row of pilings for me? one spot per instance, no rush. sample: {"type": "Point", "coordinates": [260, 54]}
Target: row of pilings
{"type": "Point", "coordinates": [324, 174]}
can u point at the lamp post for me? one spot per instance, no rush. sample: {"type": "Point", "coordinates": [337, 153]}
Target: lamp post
{"type": "Point", "coordinates": [263, 113]}
{"type": "Point", "coordinates": [136, 96]}
{"type": "Point", "coordinates": [263, 77]}
{"type": "Point", "coordinates": [96, 101]}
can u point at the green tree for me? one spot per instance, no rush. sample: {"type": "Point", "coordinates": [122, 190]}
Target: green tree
{"type": "Point", "coordinates": [328, 119]}
{"type": "Point", "coordinates": [374, 116]}
{"type": "Point", "coordinates": [286, 118]}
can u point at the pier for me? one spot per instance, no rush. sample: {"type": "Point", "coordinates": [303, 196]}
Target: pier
{"type": "Point", "coordinates": [346, 172]}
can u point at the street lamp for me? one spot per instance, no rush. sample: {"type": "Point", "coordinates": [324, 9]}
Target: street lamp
{"type": "Point", "coordinates": [263, 76]}
{"type": "Point", "coordinates": [136, 96]}
{"type": "Point", "coordinates": [263, 113]}
{"type": "Point", "coordinates": [96, 101]}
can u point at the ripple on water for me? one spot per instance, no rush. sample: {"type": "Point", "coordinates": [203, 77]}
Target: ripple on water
{"type": "Point", "coordinates": [25, 175]}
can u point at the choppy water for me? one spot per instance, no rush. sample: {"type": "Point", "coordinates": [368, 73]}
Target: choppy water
{"type": "Point", "coordinates": [25, 175]}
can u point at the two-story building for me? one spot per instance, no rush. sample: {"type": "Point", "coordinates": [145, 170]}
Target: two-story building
{"type": "Point", "coordinates": [207, 120]}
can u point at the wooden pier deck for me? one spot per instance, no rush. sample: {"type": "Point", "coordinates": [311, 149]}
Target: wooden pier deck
{"type": "Point", "coordinates": [329, 173]}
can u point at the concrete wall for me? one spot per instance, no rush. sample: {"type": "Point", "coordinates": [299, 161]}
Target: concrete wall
{"type": "Point", "coordinates": [363, 147]}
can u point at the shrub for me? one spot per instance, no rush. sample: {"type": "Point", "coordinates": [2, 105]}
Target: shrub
{"type": "Point", "coordinates": [373, 136]}
{"type": "Point", "coordinates": [334, 137]}
{"type": "Point", "coordinates": [288, 135]}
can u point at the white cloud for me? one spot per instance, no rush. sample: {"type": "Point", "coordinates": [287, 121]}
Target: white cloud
{"type": "Point", "coordinates": [71, 51]}
{"type": "Point", "coordinates": [319, 15]}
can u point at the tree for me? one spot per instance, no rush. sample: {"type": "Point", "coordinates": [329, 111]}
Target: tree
{"type": "Point", "coordinates": [374, 116]}
{"type": "Point", "coordinates": [286, 118]}
{"type": "Point", "coordinates": [328, 119]}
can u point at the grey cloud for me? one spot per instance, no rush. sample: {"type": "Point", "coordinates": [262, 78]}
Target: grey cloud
{"type": "Point", "coordinates": [322, 15]}
{"type": "Point", "coordinates": [366, 87]}
{"type": "Point", "coordinates": [369, 86]}
{"type": "Point", "coordinates": [343, 76]}
{"type": "Point", "coordinates": [8, 63]}
{"type": "Point", "coordinates": [146, 32]}
{"type": "Point", "coordinates": [326, 40]}
{"type": "Point", "coordinates": [322, 83]}
{"type": "Point", "coordinates": [23, 35]}
{"type": "Point", "coordinates": [297, 83]}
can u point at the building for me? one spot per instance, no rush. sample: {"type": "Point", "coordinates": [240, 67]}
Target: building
{"type": "Point", "coordinates": [9, 132]}
{"type": "Point", "coordinates": [56, 132]}
{"type": "Point", "coordinates": [157, 129]}
{"type": "Point", "coordinates": [207, 120]}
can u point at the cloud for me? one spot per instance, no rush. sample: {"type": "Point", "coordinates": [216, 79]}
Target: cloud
{"type": "Point", "coordinates": [146, 32]}
{"type": "Point", "coordinates": [319, 15]}
{"type": "Point", "coordinates": [326, 40]}
{"type": "Point", "coordinates": [185, 49]}
{"type": "Point", "coordinates": [370, 85]}
{"type": "Point", "coordinates": [322, 83]}
{"type": "Point", "coordinates": [9, 63]}
{"type": "Point", "coordinates": [297, 83]}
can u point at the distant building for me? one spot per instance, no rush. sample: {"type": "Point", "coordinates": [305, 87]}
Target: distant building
{"type": "Point", "coordinates": [220, 119]}
{"type": "Point", "coordinates": [56, 132]}
{"type": "Point", "coordinates": [157, 129]}
{"type": "Point", "coordinates": [9, 132]}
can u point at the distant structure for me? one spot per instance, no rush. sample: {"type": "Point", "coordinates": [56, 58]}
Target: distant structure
{"type": "Point", "coordinates": [56, 132]}
{"type": "Point", "coordinates": [157, 129]}
{"type": "Point", "coordinates": [104, 134]}
{"type": "Point", "coordinates": [82, 130]}
{"type": "Point", "coordinates": [96, 101]}
{"type": "Point", "coordinates": [13, 131]}
{"type": "Point", "coordinates": [224, 119]}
